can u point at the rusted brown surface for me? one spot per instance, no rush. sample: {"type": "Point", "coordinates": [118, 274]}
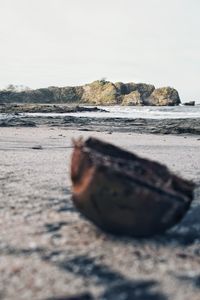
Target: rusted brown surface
{"type": "Point", "coordinates": [125, 194]}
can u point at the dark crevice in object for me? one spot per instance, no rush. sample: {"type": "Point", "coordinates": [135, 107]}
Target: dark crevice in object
{"type": "Point", "coordinates": [108, 149]}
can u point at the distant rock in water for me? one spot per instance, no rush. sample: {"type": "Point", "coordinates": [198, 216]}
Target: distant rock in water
{"type": "Point", "coordinates": [100, 92]}
{"type": "Point", "coordinates": [190, 103]}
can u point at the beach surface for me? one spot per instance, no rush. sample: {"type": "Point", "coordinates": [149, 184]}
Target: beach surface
{"type": "Point", "coordinates": [49, 251]}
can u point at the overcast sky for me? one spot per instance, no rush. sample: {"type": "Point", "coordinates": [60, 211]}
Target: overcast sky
{"type": "Point", "coordinates": [70, 42]}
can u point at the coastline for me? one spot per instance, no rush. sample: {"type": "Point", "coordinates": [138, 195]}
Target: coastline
{"type": "Point", "coordinates": [48, 250]}
{"type": "Point", "coordinates": [17, 108]}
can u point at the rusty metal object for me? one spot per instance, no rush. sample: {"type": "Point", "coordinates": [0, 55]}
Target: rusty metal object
{"type": "Point", "coordinates": [125, 194]}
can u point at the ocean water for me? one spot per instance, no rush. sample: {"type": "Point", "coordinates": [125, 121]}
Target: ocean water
{"type": "Point", "coordinates": [131, 112]}
{"type": "Point", "coordinates": [153, 112]}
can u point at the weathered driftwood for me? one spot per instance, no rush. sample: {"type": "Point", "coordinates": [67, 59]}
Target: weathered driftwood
{"type": "Point", "coordinates": [125, 194]}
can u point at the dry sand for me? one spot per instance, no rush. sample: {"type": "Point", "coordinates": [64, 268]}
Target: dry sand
{"type": "Point", "coordinates": [47, 250]}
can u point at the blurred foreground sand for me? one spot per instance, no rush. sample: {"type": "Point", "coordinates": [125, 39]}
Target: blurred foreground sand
{"type": "Point", "coordinates": [48, 250]}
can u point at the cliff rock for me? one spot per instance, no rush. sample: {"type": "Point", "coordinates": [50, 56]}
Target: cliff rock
{"type": "Point", "coordinates": [132, 99]}
{"type": "Point", "coordinates": [100, 92]}
{"type": "Point", "coordinates": [165, 96]}
{"type": "Point", "coordinates": [143, 89]}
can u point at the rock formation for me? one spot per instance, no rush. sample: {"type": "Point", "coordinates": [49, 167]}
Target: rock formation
{"type": "Point", "coordinates": [190, 103]}
{"type": "Point", "coordinates": [99, 92]}
{"type": "Point", "coordinates": [133, 98]}
{"type": "Point", "coordinates": [165, 96]}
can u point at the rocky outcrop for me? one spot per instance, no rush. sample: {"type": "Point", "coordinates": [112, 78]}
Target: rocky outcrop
{"type": "Point", "coordinates": [143, 89]}
{"type": "Point", "coordinates": [17, 108]}
{"type": "Point", "coordinates": [132, 99]}
{"type": "Point", "coordinates": [190, 103]}
{"type": "Point", "coordinates": [165, 96]}
{"type": "Point", "coordinates": [109, 125]}
{"type": "Point", "coordinates": [146, 94]}
{"type": "Point", "coordinates": [100, 92]}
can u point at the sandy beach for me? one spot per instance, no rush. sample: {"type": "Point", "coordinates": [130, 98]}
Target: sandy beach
{"type": "Point", "coordinates": [49, 251]}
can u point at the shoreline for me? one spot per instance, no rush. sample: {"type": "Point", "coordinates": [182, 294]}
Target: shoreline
{"type": "Point", "coordinates": [18, 108]}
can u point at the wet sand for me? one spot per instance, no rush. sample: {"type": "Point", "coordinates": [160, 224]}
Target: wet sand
{"type": "Point", "coordinates": [47, 250]}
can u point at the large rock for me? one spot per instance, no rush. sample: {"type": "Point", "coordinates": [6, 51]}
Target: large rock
{"type": "Point", "coordinates": [100, 92]}
{"type": "Point", "coordinates": [132, 99]}
{"type": "Point", "coordinates": [165, 96]}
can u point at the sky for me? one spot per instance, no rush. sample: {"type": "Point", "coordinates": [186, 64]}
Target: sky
{"type": "Point", "coordinates": [72, 42]}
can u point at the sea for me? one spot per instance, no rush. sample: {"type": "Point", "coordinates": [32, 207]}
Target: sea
{"type": "Point", "coordinates": [131, 112]}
